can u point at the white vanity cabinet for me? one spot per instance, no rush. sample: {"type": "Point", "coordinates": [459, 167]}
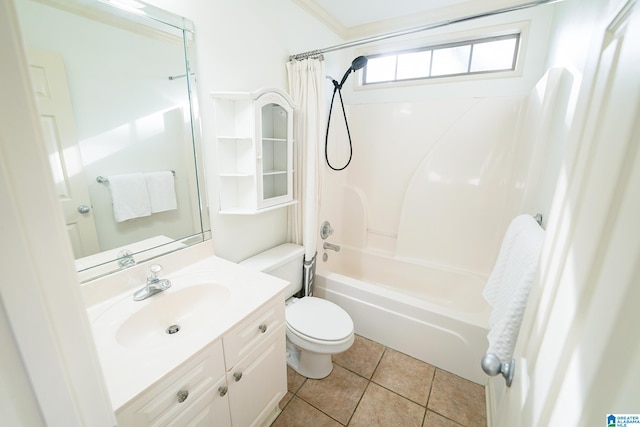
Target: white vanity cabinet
{"type": "Point", "coordinates": [194, 394]}
{"type": "Point", "coordinates": [254, 137]}
{"type": "Point", "coordinates": [237, 381]}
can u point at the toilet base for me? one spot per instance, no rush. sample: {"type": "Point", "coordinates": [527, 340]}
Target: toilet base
{"type": "Point", "coordinates": [307, 363]}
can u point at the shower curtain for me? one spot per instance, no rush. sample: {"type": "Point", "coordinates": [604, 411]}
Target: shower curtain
{"type": "Point", "coordinates": [306, 87]}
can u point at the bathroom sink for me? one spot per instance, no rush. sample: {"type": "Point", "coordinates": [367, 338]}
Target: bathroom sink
{"type": "Point", "coordinates": [167, 318]}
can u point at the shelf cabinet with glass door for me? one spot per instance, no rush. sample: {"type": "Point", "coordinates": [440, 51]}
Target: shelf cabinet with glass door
{"type": "Point", "coordinates": [254, 133]}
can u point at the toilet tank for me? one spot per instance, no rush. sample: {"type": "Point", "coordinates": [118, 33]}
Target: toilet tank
{"type": "Point", "coordinates": [284, 261]}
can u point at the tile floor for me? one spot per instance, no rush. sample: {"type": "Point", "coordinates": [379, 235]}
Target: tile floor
{"type": "Point", "coordinates": [372, 385]}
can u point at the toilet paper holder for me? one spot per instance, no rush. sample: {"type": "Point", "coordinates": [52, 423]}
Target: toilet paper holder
{"type": "Point", "coordinates": [492, 366]}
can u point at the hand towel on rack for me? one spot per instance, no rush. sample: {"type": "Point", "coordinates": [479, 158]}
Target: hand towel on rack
{"type": "Point", "coordinates": [507, 289]}
{"type": "Point", "coordinates": [130, 196]}
{"type": "Point", "coordinates": [162, 193]}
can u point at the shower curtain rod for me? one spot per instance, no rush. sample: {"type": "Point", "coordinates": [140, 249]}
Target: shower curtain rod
{"type": "Point", "coordinates": [320, 52]}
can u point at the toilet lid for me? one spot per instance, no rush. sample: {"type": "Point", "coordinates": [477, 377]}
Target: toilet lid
{"type": "Point", "coordinates": [320, 319]}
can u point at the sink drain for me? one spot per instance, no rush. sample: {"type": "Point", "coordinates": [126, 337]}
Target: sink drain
{"type": "Point", "coordinates": [173, 329]}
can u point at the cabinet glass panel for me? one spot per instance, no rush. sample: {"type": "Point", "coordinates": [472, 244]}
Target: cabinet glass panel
{"type": "Point", "coordinates": [274, 151]}
{"type": "Point", "coordinates": [274, 185]}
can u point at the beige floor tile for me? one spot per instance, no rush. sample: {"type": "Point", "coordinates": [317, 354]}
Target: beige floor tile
{"type": "Point", "coordinates": [458, 399]}
{"type": "Point", "coordinates": [336, 395]}
{"type": "Point", "coordinates": [405, 375]}
{"type": "Point", "coordinates": [436, 420]}
{"type": "Point", "coordinates": [300, 414]}
{"type": "Point", "coordinates": [383, 408]}
{"type": "Point", "coordinates": [294, 380]}
{"type": "Point", "coordinates": [362, 358]}
{"type": "Point", "coordinates": [283, 402]}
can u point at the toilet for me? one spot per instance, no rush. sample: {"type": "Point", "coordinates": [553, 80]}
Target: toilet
{"type": "Point", "coordinates": [315, 328]}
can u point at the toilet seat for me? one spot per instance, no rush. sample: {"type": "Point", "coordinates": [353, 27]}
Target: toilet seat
{"type": "Point", "coordinates": [319, 321]}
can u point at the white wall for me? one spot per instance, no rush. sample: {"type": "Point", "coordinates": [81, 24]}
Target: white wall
{"type": "Point", "coordinates": [244, 46]}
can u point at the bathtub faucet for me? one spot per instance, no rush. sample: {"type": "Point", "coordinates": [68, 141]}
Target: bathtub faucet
{"type": "Point", "coordinates": [327, 245]}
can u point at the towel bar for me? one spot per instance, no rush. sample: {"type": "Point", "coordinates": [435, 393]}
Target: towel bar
{"type": "Point", "coordinates": [492, 366]}
{"type": "Point", "coordinates": [102, 180]}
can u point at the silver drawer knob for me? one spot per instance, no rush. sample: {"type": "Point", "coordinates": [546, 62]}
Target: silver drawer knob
{"type": "Point", "coordinates": [182, 395]}
{"type": "Point", "coordinates": [263, 328]}
{"type": "Point", "coordinates": [237, 376]}
{"type": "Point", "coordinates": [84, 209]}
{"type": "Point", "coordinates": [222, 390]}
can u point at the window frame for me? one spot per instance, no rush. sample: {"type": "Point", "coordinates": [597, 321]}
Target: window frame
{"type": "Point", "coordinates": [516, 34]}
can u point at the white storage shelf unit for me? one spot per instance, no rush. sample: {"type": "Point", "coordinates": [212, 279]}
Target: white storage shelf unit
{"type": "Point", "coordinates": [255, 151]}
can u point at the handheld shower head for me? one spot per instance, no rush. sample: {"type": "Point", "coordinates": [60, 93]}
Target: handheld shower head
{"type": "Point", "coordinates": [359, 63]}
{"type": "Point", "coordinates": [356, 64]}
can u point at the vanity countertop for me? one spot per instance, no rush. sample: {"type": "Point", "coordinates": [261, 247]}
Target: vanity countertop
{"type": "Point", "coordinates": [132, 365]}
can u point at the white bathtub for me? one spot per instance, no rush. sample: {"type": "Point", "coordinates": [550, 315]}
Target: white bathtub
{"type": "Point", "coordinates": [434, 315]}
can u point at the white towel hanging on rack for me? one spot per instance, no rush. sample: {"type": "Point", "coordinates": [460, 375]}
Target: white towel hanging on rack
{"type": "Point", "coordinates": [507, 289]}
{"type": "Point", "coordinates": [130, 196]}
{"type": "Point", "coordinates": [161, 188]}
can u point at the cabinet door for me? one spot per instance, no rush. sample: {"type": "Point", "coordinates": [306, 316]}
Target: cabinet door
{"type": "Point", "coordinates": [258, 382]}
{"type": "Point", "coordinates": [187, 396]}
{"type": "Point", "coordinates": [274, 146]}
{"type": "Point", "coordinates": [210, 409]}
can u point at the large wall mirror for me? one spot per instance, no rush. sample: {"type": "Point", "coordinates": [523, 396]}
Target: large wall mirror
{"type": "Point", "coordinates": [117, 101]}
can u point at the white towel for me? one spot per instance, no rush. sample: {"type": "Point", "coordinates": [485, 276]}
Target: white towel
{"type": "Point", "coordinates": [162, 193]}
{"type": "Point", "coordinates": [130, 196]}
{"type": "Point", "coordinates": [507, 289]}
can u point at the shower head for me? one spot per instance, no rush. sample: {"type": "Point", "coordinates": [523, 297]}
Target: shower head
{"type": "Point", "coordinates": [359, 63]}
{"type": "Point", "coordinates": [356, 64]}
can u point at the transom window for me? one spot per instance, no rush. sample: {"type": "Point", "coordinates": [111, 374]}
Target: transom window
{"type": "Point", "coordinates": [484, 55]}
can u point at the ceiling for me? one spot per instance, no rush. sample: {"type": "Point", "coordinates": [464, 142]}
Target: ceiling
{"type": "Point", "coordinates": [358, 18]}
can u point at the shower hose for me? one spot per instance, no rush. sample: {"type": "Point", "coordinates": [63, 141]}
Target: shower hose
{"type": "Point", "coordinates": [337, 88]}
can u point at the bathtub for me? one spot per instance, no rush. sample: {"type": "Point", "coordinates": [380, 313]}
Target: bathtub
{"type": "Point", "coordinates": [435, 315]}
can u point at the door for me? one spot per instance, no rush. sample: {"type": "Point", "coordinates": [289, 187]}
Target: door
{"type": "Point", "coordinates": [578, 353]}
{"type": "Point", "coordinates": [59, 129]}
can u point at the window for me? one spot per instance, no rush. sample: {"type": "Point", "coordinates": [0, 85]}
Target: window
{"type": "Point", "coordinates": [484, 55]}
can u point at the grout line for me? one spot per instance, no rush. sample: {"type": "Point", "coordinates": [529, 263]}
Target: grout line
{"type": "Point", "coordinates": [369, 381]}
{"type": "Point", "coordinates": [426, 405]}
{"type": "Point", "coordinates": [359, 401]}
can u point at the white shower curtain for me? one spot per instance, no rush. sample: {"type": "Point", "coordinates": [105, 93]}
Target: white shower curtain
{"type": "Point", "coordinates": [306, 86]}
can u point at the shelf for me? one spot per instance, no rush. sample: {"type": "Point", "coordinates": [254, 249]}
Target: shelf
{"type": "Point", "coordinates": [274, 172]}
{"type": "Point", "coordinates": [247, 211]}
{"type": "Point", "coordinates": [234, 138]}
{"type": "Point", "coordinates": [234, 175]}
{"type": "Point", "coordinates": [255, 151]}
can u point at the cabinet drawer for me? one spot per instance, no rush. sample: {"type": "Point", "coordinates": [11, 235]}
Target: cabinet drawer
{"type": "Point", "coordinates": [160, 403]}
{"type": "Point", "coordinates": [253, 331]}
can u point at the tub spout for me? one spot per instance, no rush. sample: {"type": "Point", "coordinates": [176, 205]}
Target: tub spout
{"type": "Point", "coordinates": [327, 245]}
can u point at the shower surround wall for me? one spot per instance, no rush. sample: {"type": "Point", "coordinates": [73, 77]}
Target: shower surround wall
{"type": "Point", "coordinates": [427, 181]}
{"type": "Point", "coordinates": [436, 182]}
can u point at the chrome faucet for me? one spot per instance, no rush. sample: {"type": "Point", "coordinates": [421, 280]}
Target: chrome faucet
{"type": "Point", "coordinates": [125, 259]}
{"type": "Point", "coordinates": [154, 284]}
{"type": "Point", "coordinates": [327, 245]}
